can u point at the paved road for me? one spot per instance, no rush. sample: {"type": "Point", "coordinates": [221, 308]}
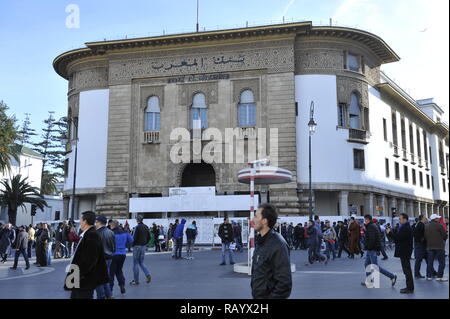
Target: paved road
{"type": "Point", "coordinates": [203, 278]}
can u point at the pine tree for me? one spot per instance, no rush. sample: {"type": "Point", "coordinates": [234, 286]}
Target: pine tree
{"type": "Point", "coordinates": [58, 154]}
{"type": "Point", "coordinates": [26, 133]}
{"type": "Point", "coordinates": [47, 144]}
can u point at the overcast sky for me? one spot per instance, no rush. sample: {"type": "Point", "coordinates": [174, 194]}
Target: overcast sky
{"type": "Point", "coordinates": [33, 33]}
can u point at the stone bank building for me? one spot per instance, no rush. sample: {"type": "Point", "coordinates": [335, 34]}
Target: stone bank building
{"type": "Point", "coordinates": [375, 147]}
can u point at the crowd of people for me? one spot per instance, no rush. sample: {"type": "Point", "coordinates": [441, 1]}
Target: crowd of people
{"type": "Point", "coordinates": [99, 247]}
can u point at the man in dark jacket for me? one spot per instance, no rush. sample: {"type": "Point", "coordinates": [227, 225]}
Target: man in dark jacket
{"type": "Point", "coordinates": [21, 245]}
{"type": "Point", "coordinates": [178, 237]}
{"type": "Point", "coordinates": [372, 246]}
{"type": "Point", "coordinates": [342, 236]}
{"type": "Point", "coordinates": [435, 236]}
{"type": "Point", "coordinates": [226, 235]}
{"type": "Point", "coordinates": [42, 243]}
{"type": "Point", "coordinates": [420, 245]}
{"type": "Point", "coordinates": [271, 266]}
{"type": "Point", "coordinates": [403, 249]}
{"type": "Point", "coordinates": [141, 237]}
{"type": "Point", "coordinates": [109, 247]}
{"type": "Point", "coordinates": [88, 266]}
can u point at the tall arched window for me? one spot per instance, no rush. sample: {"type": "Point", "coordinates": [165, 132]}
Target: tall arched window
{"type": "Point", "coordinates": [247, 109]}
{"type": "Point", "coordinates": [354, 112]}
{"type": "Point", "coordinates": [152, 114]}
{"type": "Point", "coordinates": [199, 111]}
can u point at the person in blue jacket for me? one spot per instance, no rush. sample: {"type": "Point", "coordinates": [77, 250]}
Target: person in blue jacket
{"type": "Point", "coordinates": [123, 239]}
{"type": "Point", "coordinates": [178, 236]}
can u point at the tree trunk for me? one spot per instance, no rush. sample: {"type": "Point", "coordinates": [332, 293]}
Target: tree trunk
{"type": "Point", "coordinates": [12, 214]}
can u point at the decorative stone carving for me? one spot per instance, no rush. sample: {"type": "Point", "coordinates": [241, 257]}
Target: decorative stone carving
{"type": "Point", "coordinates": [279, 59]}
{"type": "Point", "coordinates": [148, 91]}
{"type": "Point", "coordinates": [91, 79]}
{"type": "Point", "coordinates": [347, 85]}
{"type": "Point", "coordinates": [187, 91]}
{"type": "Point", "coordinates": [74, 104]}
{"type": "Point", "coordinates": [244, 84]}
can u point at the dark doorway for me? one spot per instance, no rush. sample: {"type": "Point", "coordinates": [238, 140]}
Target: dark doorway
{"type": "Point", "coordinates": [198, 174]}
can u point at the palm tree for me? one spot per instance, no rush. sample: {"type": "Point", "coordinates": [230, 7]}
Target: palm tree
{"type": "Point", "coordinates": [8, 137]}
{"type": "Point", "coordinates": [16, 192]}
{"type": "Point", "coordinates": [48, 183]}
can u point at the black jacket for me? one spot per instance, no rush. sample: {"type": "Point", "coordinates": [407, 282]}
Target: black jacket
{"type": "Point", "coordinates": [21, 241]}
{"type": "Point", "coordinates": [419, 233]}
{"type": "Point", "coordinates": [226, 232]}
{"type": "Point", "coordinates": [90, 259]}
{"type": "Point", "coordinates": [403, 241]}
{"type": "Point", "coordinates": [271, 268]}
{"type": "Point", "coordinates": [372, 238]}
{"type": "Point", "coordinates": [141, 235]}
{"type": "Point", "coordinates": [108, 241]}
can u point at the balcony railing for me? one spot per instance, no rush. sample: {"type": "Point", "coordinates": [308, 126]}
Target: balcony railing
{"type": "Point", "coordinates": [443, 170]}
{"type": "Point", "coordinates": [405, 154]}
{"type": "Point", "coordinates": [357, 135]}
{"type": "Point", "coordinates": [247, 132]}
{"type": "Point", "coordinates": [151, 137]}
{"type": "Point", "coordinates": [413, 159]}
{"type": "Point", "coordinates": [420, 162]}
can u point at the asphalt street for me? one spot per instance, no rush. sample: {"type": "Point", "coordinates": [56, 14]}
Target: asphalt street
{"type": "Point", "coordinates": [204, 278]}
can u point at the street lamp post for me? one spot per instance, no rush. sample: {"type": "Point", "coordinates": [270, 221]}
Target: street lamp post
{"type": "Point", "coordinates": [312, 127]}
{"type": "Point", "coordinates": [72, 212]}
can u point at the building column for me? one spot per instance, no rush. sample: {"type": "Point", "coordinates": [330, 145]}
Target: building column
{"type": "Point", "coordinates": [402, 207]}
{"type": "Point", "coordinates": [425, 210]}
{"type": "Point", "coordinates": [383, 203]}
{"type": "Point", "coordinates": [410, 208]}
{"type": "Point", "coordinates": [343, 203]}
{"type": "Point", "coordinates": [368, 202]}
{"type": "Point", "coordinates": [392, 203]}
{"type": "Point", "coordinates": [419, 209]}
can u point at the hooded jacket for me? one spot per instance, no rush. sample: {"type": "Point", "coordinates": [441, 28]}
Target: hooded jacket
{"type": "Point", "coordinates": [179, 230]}
{"type": "Point", "coordinates": [191, 232]}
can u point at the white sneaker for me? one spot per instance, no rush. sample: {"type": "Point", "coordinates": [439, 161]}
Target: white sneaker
{"type": "Point", "coordinates": [428, 278]}
{"type": "Point", "coordinates": [442, 279]}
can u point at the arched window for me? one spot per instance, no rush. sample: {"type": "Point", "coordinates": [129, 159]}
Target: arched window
{"type": "Point", "coordinates": [247, 109]}
{"type": "Point", "coordinates": [152, 114]}
{"type": "Point", "coordinates": [354, 112]}
{"type": "Point", "coordinates": [199, 111]}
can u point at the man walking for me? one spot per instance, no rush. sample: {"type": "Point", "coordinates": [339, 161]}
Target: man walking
{"type": "Point", "coordinates": [329, 236]}
{"type": "Point", "coordinates": [420, 245]}
{"type": "Point", "coordinates": [122, 239]}
{"type": "Point", "coordinates": [372, 245]}
{"type": "Point", "coordinates": [109, 247]}
{"type": "Point", "coordinates": [435, 237]}
{"type": "Point", "coordinates": [403, 249]}
{"type": "Point", "coordinates": [191, 234]}
{"type": "Point", "coordinates": [141, 237]}
{"type": "Point", "coordinates": [21, 245]}
{"type": "Point", "coordinates": [382, 230]}
{"type": "Point", "coordinates": [342, 236]}
{"type": "Point", "coordinates": [88, 261]}
{"type": "Point", "coordinates": [271, 267]}
{"type": "Point", "coordinates": [237, 236]}
{"type": "Point", "coordinates": [226, 235]}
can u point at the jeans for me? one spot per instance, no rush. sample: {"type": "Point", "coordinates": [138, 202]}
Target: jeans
{"type": "Point", "coordinates": [238, 244]}
{"type": "Point", "coordinates": [226, 246]}
{"type": "Point", "coordinates": [116, 271]}
{"type": "Point", "coordinates": [371, 259]}
{"type": "Point", "coordinates": [178, 247]}
{"type": "Point", "coordinates": [342, 248]}
{"type": "Point", "coordinates": [420, 253]}
{"type": "Point", "coordinates": [330, 247]}
{"type": "Point", "coordinates": [65, 252]}
{"type": "Point", "coordinates": [49, 253]}
{"type": "Point", "coordinates": [25, 256]}
{"type": "Point", "coordinates": [104, 290]}
{"type": "Point", "coordinates": [440, 256]}
{"type": "Point", "coordinates": [190, 244]}
{"type": "Point", "coordinates": [138, 261]}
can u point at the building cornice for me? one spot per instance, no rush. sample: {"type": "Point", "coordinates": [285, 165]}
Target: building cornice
{"type": "Point", "coordinates": [101, 48]}
{"type": "Point", "coordinates": [398, 95]}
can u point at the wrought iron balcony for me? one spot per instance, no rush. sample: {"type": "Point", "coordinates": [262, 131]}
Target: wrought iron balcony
{"type": "Point", "coordinates": [247, 132]}
{"type": "Point", "coordinates": [405, 155]}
